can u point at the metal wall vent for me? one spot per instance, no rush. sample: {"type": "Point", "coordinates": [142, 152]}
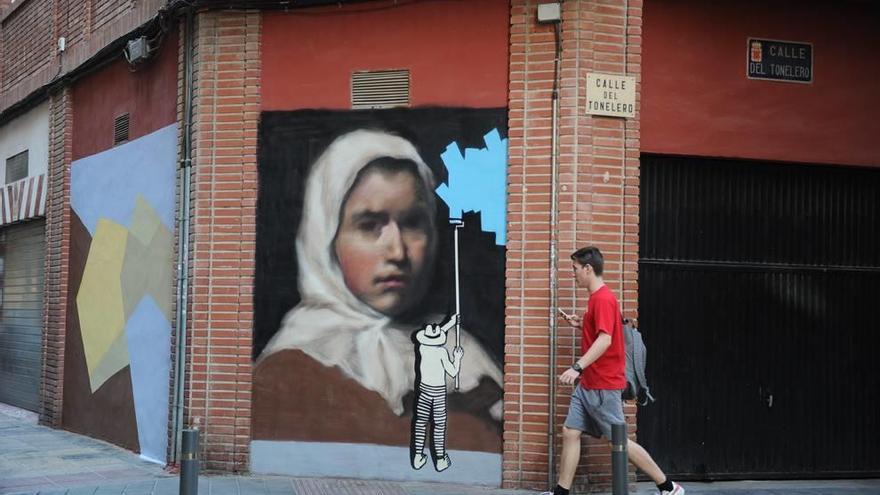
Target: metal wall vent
{"type": "Point", "coordinates": [380, 89]}
{"type": "Point", "coordinates": [120, 129]}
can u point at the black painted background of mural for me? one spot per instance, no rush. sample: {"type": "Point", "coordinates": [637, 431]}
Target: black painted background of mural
{"type": "Point", "coordinates": [288, 144]}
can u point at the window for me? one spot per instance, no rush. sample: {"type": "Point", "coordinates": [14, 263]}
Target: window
{"type": "Point", "coordinates": [17, 167]}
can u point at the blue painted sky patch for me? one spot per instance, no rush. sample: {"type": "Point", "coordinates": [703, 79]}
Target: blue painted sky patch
{"type": "Point", "coordinates": [478, 182]}
{"type": "Point", "coordinates": [106, 184]}
{"type": "Point", "coordinates": [148, 333]}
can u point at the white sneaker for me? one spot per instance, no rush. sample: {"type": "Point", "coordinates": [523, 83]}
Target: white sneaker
{"type": "Point", "coordinates": [419, 460]}
{"type": "Point", "coordinates": [676, 490]}
{"type": "Point", "coordinates": [443, 463]}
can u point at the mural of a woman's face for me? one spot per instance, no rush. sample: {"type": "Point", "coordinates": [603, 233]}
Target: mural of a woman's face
{"type": "Point", "coordinates": [385, 239]}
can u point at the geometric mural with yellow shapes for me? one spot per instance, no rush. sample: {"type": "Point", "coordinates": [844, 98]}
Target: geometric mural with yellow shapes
{"type": "Point", "coordinates": [124, 265]}
{"type": "Point", "coordinates": [122, 203]}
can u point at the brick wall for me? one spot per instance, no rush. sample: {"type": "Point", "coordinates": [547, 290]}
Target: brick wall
{"type": "Point", "coordinates": [105, 11]}
{"type": "Point", "coordinates": [223, 234]}
{"type": "Point", "coordinates": [72, 20]}
{"type": "Point", "coordinates": [29, 32]}
{"type": "Point", "coordinates": [597, 36]}
{"type": "Point", "coordinates": [27, 41]}
{"type": "Point", "coordinates": [57, 248]}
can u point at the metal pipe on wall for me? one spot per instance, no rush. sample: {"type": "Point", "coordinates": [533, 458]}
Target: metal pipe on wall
{"type": "Point", "coordinates": [182, 301]}
{"type": "Point", "coordinates": [554, 248]}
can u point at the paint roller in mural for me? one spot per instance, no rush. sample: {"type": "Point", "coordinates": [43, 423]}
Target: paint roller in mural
{"type": "Point", "coordinates": [476, 182]}
{"type": "Point", "coordinates": [337, 376]}
{"type": "Point", "coordinates": [124, 199]}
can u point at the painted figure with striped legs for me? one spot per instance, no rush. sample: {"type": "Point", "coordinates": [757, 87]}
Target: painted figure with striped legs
{"type": "Point", "coordinates": [434, 364]}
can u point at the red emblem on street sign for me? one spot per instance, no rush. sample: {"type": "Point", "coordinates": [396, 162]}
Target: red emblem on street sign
{"type": "Point", "coordinates": [756, 51]}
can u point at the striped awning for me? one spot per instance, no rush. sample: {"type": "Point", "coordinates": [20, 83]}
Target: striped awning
{"type": "Point", "coordinates": [23, 199]}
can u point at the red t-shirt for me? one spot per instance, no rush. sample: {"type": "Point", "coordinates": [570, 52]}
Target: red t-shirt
{"type": "Point", "coordinates": [603, 315]}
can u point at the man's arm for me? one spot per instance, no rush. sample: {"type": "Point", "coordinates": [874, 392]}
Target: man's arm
{"type": "Point", "coordinates": [602, 343]}
{"type": "Point", "coordinates": [599, 346]}
{"type": "Point", "coordinates": [451, 323]}
{"type": "Point", "coordinates": [454, 365]}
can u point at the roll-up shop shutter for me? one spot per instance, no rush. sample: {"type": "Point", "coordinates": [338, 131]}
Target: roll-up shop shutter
{"type": "Point", "coordinates": [22, 253]}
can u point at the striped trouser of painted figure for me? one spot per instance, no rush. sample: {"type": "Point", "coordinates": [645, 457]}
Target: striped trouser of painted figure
{"type": "Point", "coordinates": [431, 405]}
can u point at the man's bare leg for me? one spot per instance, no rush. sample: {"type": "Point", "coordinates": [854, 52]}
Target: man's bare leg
{"type": "Point", "coordinates": [571, 454]}
{"type": "Point", "coordinates": [643, 460]}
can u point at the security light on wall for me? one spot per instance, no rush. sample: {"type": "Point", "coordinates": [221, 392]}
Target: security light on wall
{"type": "Point", "coordinates": [137, 50]}
{"type": "Point", "coordinates": [549, 12]}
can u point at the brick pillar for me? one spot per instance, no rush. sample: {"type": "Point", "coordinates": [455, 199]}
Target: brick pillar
{"type": "Point", "coordinates": [57, 257]}
{"type": "Point", "coordinates": [593, 208]}
{"type": "Point", "coordinates": [227, 105]}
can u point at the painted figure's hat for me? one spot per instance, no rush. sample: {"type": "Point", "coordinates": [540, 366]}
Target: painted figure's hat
{"type": "Point", "coordinates": [431, 335]}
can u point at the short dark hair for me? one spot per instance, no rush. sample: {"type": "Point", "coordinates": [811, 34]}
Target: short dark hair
{"type": "Point", "coordinates": [590, 255]}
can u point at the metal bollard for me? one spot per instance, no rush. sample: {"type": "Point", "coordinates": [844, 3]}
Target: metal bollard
{"type": "Point", "coordinates": [619, 471]}
{"type": "Point", "coordinates": [189, 462]}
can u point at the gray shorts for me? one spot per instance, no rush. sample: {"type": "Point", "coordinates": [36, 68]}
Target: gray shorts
{"type": "Point", "coordinates": [594, 411]}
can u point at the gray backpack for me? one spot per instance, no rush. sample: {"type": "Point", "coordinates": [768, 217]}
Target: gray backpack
{"type": "Point", "coordinates": [636, 357]}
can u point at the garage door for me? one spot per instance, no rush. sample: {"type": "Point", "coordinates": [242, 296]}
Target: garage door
{"type": "Point", "coordinates": [22, 252]}
{"type": "Point", "coordinates": [759, 291]}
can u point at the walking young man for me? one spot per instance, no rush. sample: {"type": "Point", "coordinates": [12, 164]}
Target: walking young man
{"type": "Point", "coordinates": [596, 403]}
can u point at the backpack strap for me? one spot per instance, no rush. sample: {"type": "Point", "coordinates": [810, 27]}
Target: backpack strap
{"type": "Point", "coordinates": [640, 360]}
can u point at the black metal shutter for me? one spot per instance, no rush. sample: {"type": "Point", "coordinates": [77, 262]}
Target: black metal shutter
{"type": "Point", "coordinates": [758, 286]}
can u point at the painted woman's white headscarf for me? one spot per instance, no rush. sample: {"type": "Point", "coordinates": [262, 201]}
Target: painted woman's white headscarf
{"type": "Point", "coordinates": [331, 324]}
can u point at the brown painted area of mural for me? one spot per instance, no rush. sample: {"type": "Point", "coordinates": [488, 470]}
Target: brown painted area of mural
{"type": "Point", "coordinates": [339, 409]}
{"type": "Point", "coordinates": [148, 95]}
{"type": "Point", "coordinates": [107, 414]}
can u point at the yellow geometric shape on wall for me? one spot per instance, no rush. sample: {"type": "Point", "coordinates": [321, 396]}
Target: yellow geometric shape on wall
{"type": "Point", "coordinates": [100, 305]}
{"type": "Point", "coordinates": [149, 266]}
{"type": "Point", "coordinates": [115, 359]}
{"type": "Point", "coordinates": [144, 221]}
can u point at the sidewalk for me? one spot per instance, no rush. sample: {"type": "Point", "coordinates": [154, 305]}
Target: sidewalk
{"type": "Point", "coordinates": [35, 459]}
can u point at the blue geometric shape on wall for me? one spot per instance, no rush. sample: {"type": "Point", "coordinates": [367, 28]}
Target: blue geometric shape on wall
{"type": "Point", "coordinates": [478, 182]}
{"type": "Point", "coordinates": [105, 185]}
{"type": "Point", "coordinates": [149, 347]}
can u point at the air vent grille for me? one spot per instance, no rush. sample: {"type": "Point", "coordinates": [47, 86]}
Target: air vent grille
{"type": "Point", "coordinates": [380, 89]}
{"type": "Point", "coordinates": [121, 129]}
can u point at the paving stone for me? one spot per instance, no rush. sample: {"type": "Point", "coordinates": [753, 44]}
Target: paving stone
{"type": "Point", "coordinates": [140, 488]}
{"type": "Point", "coordinates": [73, 479]}
{"type": "Point", "coordinates": [223, 486]}
{"type": "Point", "coordinates": [85, 490]}
{"type": "Point", "coordinates": [110, 489]}
{"type": "Point", "coordinates": [280, 486]}
{"type": "Point", "coordinates": [91, 467]}
{"type": "Point", "coordinates": [253, 486]}
{"type": "Point", "coordinates": [168, 486]}
{"type": "Point", "coordinates": [11, 482]}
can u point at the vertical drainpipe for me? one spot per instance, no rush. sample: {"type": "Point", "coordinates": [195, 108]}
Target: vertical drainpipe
{"type": "Point", "coordinates": [183, 239]}
{"type": "Point", "coordinates": [554, 240]}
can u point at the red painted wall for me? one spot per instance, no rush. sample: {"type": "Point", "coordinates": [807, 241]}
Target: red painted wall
{"type": "Point", "coordinates": [696, 99]}
{"type": "Point", "coordinates": [456, 52]}
{"type": "Point", "coordinates": [149, 96]}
